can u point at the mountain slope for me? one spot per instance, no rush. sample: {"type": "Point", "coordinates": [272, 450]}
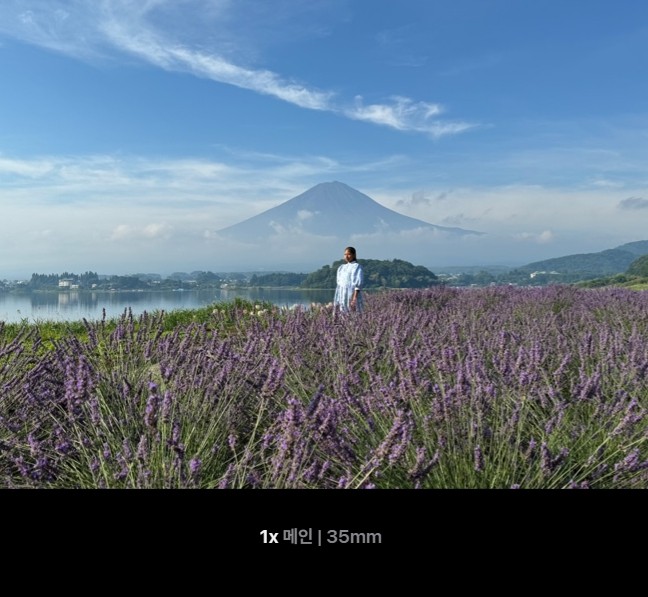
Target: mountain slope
{"type": "Point", "coordinates": [330, 209]}
{"type": "Point", "coordinates": [637, 248]}
{"type": "Point", "coordinates": [603, 263]}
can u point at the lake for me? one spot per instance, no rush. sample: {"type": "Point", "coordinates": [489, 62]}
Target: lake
{"type": "Point", "coordinates": [75, 306]}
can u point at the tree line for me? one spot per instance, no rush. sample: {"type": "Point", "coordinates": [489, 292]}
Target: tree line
{"type": "Point", "coordinates": [396, 273]}
{"type": "Point", "coordinates": [377, 274]}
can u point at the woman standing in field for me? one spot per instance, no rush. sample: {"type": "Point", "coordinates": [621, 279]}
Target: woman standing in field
{"type": "Point", "coordinates": [348, 295]}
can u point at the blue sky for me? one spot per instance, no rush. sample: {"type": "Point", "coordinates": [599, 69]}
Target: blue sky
{"type": "Point", "coordinates": [131, 131]}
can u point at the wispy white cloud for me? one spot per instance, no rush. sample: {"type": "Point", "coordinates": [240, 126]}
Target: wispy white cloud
{"type": "Point", "coordinates": [149, 47]}
{"type": "Point", "coordinates": [163, 33]}
{"type": "Point", "coordinates": [304, 215]}
{"type": "Point", "coordinates": [123, 232]}
{"type": "Point", "coordinates": [461, 220]}
{"type": "Point", "coordinates": [531, 214]}
{"type": "Point", "coordinates": [239, 186]}
{"type": "Point", "coordinates": [422, 198]}
{"type": "Point", "coordinates": [404, 114]}
{"type": "Point", "coordinates": [544, 237]}
{"type": "Point", "coordinates": [132, 212]}
{"type": "Point", "coordinates": [24, 168]}
{"type": "Point", "coordinates": [607, 184]}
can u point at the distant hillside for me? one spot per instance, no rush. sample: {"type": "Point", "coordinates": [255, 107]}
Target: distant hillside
{"type": "Point", "coordinates": [592, 265]}
{"type": "Point", "coordinates": [638, 248]}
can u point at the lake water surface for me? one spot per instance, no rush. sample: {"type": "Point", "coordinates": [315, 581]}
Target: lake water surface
{"type": "Point", "coordinates": [74, 306]}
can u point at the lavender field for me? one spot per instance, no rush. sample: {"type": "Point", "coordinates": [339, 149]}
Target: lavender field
{"type": "Point", "coordinates": [501, 387]}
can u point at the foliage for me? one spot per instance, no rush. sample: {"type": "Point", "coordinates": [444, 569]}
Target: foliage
{"type": "Point", "coordinates": [377, 274]}
{"type": "Point", "coordinates": [636, 276]}
{"type": "Point", "coordinates": [432, 388]}
{"type": "Point", "coordinates": [638, 247]}
{"type": "Point", "coordinates": [325, 277]}
{"type": "Point", "coordinates": [277, 279]}
{"type": "Point", "coordinates": [639, 267]}
{"type": "Point", "coordinates": [92, 280]}
{"type": "Point", "coordinates": [41, 281]}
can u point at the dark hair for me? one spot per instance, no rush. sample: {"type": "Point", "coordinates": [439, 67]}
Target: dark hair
{"type": "Point", "coordinates": [351, 250]}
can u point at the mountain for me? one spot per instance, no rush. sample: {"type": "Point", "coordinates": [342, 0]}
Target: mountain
{"type": "Point", "coordinates": [603, 263]}
{"type": "Point", "coordinates": [637, 248]}
{"type": "Point", "coordinates": [333, 210]}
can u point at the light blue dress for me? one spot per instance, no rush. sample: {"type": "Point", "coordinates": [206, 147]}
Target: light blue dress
{"type": "Point", "coordinates": [349, 277]}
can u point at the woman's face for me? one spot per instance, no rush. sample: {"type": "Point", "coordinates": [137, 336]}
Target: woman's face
{"type": "Point", "coordinates": [348, 256]}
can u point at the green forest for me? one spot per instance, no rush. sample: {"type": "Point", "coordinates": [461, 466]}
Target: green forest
{"type": "Point", "coordinates": [377, 274]}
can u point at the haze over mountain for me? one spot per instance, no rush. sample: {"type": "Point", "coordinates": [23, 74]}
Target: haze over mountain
{"type": "Point", "coordinates": [601, 263]}
{"type": "Point", "coordinates": [331, 209]}
{"type": "Point", "coordinates": [311, 230]}
{"type": "Point", "coordinates": [330, 216]}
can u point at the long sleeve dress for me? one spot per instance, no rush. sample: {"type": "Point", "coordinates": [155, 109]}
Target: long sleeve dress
{"type": "Point", "coordinates": [349, 278]}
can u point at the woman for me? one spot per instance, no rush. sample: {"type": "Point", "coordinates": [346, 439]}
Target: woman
{"type": "Point", "coordinates": [348, 295]}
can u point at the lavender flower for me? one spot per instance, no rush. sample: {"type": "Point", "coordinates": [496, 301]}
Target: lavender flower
{"type": "Point", "coordinates": [309, 400]}
{"type": "Point", "coordinates": [195, 466]}
{"type": "Point", "coordinates": [479, 459]}
{"type": "Point", "coordinates": [151, 413]}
